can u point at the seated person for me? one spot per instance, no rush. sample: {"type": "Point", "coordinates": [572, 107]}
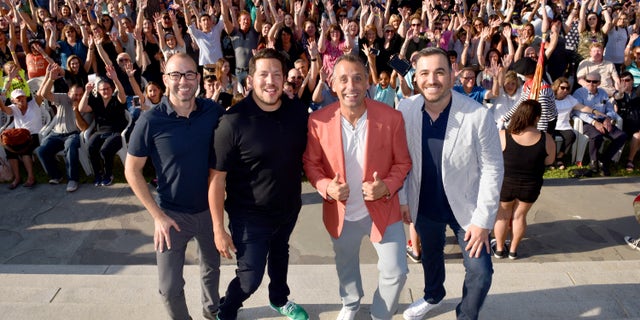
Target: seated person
{"type": "Point", "coordinates": [108, 109]}
{"type": "Point", "coordinates": [26, 115]}
{"type": "Point", "coordinates": [628, 103]}
{"type": "Point", "coordinates": [597, 126]}
{"type": "Point", "coordinates": [65, 132]}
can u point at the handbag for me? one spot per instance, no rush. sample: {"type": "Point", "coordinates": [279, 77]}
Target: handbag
{"type": "Point", "coordinates": [16, 140]}
{"type": "Point", "coordinates": [5, 170]}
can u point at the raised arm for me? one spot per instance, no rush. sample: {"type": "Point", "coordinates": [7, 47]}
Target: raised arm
{"type": "Point", "coordinates": [84, 102]}
{"type": "Point", "coordinates": [225, 9]}
{"type": "Point", "coordinates": [111, 74]}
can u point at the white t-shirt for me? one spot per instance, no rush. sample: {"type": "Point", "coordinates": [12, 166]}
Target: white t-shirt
{"type": "Point", "coordinates": [503, 103]}
{"type": "Point", "coordinates": [564, 107]}
{"type": "Point", "coordinates": [30, 120]}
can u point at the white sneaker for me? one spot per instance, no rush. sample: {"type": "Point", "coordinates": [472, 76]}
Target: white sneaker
{"type": "Point", "coordinates": [72, 186]}
{"type": "Point", "coordinates": [55, 181]}
{"type": "Point", "coordinates": [418, 309]}
{"type": "Point", "coordinates": [347, 314]}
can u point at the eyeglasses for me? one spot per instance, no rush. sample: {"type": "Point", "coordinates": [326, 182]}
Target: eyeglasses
{"type": "Point", "coordinates": [298, 77]}
{"type": "Point", "coordinates": [627, 80]}
{"type": "Point", "coordinates": [592, 81]}
{"type": "Point", "coordinates": [415, 24]}
{"type": "Point", "coordinates": [563, 87]}
{"type": "Point", "coordinates": [175, 75]}
{"type": "Point", "coordinates": [389, 31]}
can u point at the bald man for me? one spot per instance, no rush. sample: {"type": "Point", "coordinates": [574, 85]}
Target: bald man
{"type": "Point", "coordinates": [178, 136]}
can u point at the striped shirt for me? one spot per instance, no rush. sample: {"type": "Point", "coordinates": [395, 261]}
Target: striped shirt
{"type": "Point", "coordinates": [547, 100]}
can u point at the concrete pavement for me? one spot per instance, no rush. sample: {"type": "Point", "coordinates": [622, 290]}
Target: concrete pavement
{"type": "Point", "coordinates": [89, 255]}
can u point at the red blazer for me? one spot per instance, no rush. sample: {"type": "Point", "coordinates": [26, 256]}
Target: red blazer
{"type": "Point", "coordinates": [386, 152]}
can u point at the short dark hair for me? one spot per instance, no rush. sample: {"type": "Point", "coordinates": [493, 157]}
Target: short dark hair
{"type": "Point", "coordinates": [626, 74]}
{"type": "Point", "coordinates": [267, 53]}
{"type": "Point", "coordinates": [526, 115]}
{"type": "Point", "coordinates": [427, 52]}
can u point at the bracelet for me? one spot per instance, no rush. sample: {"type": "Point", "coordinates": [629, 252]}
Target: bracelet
{"type": "Point", "coordinates": [314, 59]}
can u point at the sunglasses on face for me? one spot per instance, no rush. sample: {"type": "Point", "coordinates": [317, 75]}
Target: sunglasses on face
{"type": "Point", "coordinates": [592, 81]}
{"type": "Point", "coordinates": [563, 88]}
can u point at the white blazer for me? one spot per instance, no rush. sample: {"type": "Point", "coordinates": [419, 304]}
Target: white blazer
{"type": "Point", "coordinates": [472, 165]}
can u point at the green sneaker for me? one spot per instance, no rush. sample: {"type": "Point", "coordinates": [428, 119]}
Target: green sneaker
{"type": "Point", "coordinates": [292, 311]}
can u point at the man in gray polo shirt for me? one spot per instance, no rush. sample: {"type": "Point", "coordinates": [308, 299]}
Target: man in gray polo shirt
{"type": "Point", "coordinates": [67, 125]}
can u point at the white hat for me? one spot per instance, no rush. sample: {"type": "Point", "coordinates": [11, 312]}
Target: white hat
{"type": "Point", "coordinates": [17, 93]}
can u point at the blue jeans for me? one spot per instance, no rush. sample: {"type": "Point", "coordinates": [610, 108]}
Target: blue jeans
{"type": "Point", "coordinates": [260, 244]}
{"type": "Point", "coordinates": [54, 143]}
{"type": "Point", "coordinates": [479, 271]}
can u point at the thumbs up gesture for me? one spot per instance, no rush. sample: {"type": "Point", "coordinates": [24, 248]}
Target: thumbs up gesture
{"type": "Point", "coordinates": [374, 190]}
{"type": "Point", "coordinates": [336, 190]}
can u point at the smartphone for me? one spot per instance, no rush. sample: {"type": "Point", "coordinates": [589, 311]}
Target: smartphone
{"type": "Point", "coordinates": [402, 66]}
{"type": "Point", "coordinates": [375, 52]}
{"type": "Point", "coordinates": [136, 102]}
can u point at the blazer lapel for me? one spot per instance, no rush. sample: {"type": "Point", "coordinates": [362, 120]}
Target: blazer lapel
{"type": "Point", "coordinates": [335, 144]}
{"type": "Point", "coordinates": [453, 126]}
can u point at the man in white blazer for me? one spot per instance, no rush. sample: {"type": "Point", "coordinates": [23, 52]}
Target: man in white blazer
{"type": "Point", "coordinates": [455, 180]}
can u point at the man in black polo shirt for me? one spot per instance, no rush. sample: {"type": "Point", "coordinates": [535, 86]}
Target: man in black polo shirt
{"type": "Point", "coordinates": [258, 146]}
{"type": "Point", "coordinates": [178, 135]}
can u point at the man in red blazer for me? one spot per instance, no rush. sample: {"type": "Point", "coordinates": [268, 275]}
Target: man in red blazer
{"type": "Point", "coordinates": [357, 159]}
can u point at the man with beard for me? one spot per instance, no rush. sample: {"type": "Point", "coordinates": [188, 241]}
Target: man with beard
{"type": "Point", "coordinates": [258, 151]}
{"type": "Point", "coordinates": [244, 36]}
{"type": "Point", "coordinates": [177, 135]}
{"type": "Point", "coordinates": [65, 133]}
{"type": "Point", "coordinates": [456, 179]}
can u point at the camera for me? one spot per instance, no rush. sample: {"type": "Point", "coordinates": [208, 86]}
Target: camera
{"type": "Point", "coordinates": [374, 51]}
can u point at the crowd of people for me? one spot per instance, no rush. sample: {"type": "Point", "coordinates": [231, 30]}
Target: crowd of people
{"type": "Point", "coordinates": [384, 105]}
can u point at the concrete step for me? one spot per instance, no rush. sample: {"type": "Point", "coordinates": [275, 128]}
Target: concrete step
{"type": "Point", "coordinates": [559, 290]}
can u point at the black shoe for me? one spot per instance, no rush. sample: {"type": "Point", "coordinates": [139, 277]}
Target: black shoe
{"type": "Point", "coordinates": [606, 171]}
{"type": "Point", "coordinates": [594, 166]}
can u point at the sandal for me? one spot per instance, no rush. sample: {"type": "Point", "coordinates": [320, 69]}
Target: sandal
{"type": "Point", "coordinates": [630, 167]}
{"type": "Point", "coordinates": [560, 164]}
{"type": "Point", "coordinates": [13, 185]}
{"type": "Point", "coordinates": [29, 185]}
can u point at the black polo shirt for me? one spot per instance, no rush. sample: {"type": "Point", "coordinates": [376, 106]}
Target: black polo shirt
{"type": "Point", "coordinates": [261, 152]}
{"type": "Point", "coordinates": [180, 150]}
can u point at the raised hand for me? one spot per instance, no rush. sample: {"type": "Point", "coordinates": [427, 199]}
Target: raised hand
{"type": "Point", "coordinates": [374, 190]}
{"type": "Point", "coordinates": [89, 86]}
{"type": "Point", "coordinates": [111, 72]}
{"type": "Point", "coordinates": [336, 190]}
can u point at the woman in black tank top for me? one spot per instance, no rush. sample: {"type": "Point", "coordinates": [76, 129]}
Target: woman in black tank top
{"type": "Point", "coordinates": [526, 152]}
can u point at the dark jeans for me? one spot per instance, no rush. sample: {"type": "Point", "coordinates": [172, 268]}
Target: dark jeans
{"type": "Point", "coordinates": [260, 244]}
{"type": "Point", "coordinates": [596, 138]}
{"type": "Point", "coordinates": [103, 147]}
{"type": "Point", "coordinates": [479, 271]}
{"type": "Point", "coordinates": [54, 143]}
